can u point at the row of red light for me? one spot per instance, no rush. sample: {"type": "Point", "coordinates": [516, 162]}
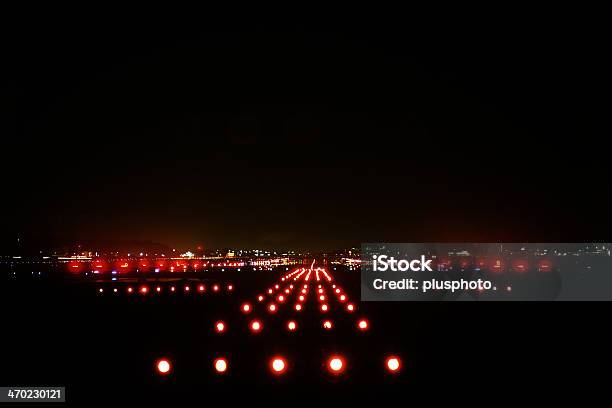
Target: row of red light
{"type": "Point", "coordinates": [335, 364]}
{"type": "Point", "coordinates": [143, 290]}
{"type": "Point", "coordinates": [256, 326]}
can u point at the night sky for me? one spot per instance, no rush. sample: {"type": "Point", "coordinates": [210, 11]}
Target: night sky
{"type": "Point", "coordinates": [306, 135]}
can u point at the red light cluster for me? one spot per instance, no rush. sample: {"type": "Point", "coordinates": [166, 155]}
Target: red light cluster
{"type": "Point", "coordinates": [158, 289]}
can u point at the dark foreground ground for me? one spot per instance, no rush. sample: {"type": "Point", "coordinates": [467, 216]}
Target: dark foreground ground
{"type": "Point", "coordinates": [103, 348]}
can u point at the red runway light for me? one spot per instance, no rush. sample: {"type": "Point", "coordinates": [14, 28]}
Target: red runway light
{"type": "Point", "coordinates": [201, 288]}
{"type": "Point", "coordinates": [144, 265]}
{"type": "Point", "coordinates": [255, 326]}
{"type": "Point", "coordinates": [304, 291]}
{"type": "Point", "coordinates": [342, 298]}
{"type": "Point", "coordinates": [144, 290]}
{"type": "Point", "coordinates": [275, 286]}
{"type": "Point", "coordinates": [163, 366]}
{"type": "Point", "coordinates": [520, 266]}
{"type": "Point", "coordinates": [278, 365]}
{"type": "Point", "coordinates": [158, 289]}
{"type": "Point", "coordinates": [291, 325]}
{"type": "Point", "coordinates": [301, 298]}
{"type": "Point", "coordinates": [305, 286]}
{"type": "Point", "coordinates": [97, 266]}
{"type": "Point", "coordinates": [269, 291]}
{"type": "Point", "coordinates": [338, 290]}
{"type": "Point", "coordinates": [172, 289]}
{"type": "Point", "coordinates": [271, 308]}
{"type": "Point", "coordinates": [298, 307]}
{"type": "Point", "coordinates": [321, 298]}
{"type": "Point", "coordinates": [220, 365]}
{"type": "Point", "coordinates": [336, 364]}
{"type": "Point", "coordinates": [287, 291]}
{"type": "Point", "coordinates": [497, 265]}
{"type": "Point", "coordinates": [363, 324]}
{"type": "Point", "coordinates": [260, 298]}
{"type": "Point", "coordinates": [281, 298]}
{"type": "Point", "coordinates": [230, 287]}
{"type": "Point", "coordinates": [393, 364]}
{"type": "Point", "coordinates": [324, 308]}
{"type": "Point", "coordinates": [130, 290]}
{"type": "Point", "coordinates": [75, 266]}
{"type": "Point", "coordinates": [350, 307]}
{"type": "Point", "coordinates": [320, 291]}
{"type": "Point", "coordinates": [328, 325]}
{"type": "Point", "coordinates": [246, 308]}
{"type": "Point", "coordinates": [215, 288]}
{"type": "Point", "coordinates": [544, 266]}
{"type": "Point", "coordinates": [101, 290]}
{"type": "Point", "coordinates": [220, 327]}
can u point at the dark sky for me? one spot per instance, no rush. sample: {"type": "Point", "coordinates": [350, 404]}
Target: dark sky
{"type": "Point", "coordinates": [302, 134]}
